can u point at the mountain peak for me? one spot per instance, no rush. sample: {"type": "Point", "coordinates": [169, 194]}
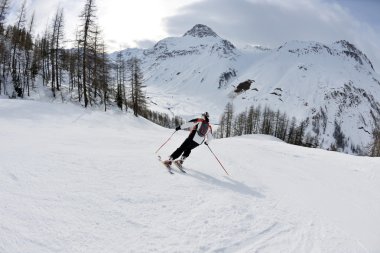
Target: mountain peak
{"type": "Point", "coordinates": [352, 51]}
{"type": "Point", "coordinates": [201, 31]}
{"type": "Point", "coordinates": [347, 45]}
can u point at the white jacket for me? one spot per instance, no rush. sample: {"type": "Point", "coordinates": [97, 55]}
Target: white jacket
{"type": "Point", "coordinates": [194, 125]}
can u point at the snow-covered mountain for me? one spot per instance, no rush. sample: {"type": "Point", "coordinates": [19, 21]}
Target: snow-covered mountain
{"type": "Point", "coordinates": [83, 180]}
{"type": "Point", "coordinates": [330, 86]}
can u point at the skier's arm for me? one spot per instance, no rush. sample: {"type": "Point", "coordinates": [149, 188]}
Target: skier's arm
{"type": "Point", "coordinates": [189, 124]}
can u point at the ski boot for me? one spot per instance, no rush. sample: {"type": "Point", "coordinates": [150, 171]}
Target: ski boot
{"type": "Point", "coordinates": [179, 162]}
{"type": "Point", "coordinates": [168, 163]}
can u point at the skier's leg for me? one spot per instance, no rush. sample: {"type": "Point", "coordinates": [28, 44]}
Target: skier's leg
{"type": "Point", "coordinates": [188, 149]}
{"type": "Point", "coordinates": [180, 150]}
{"type": "Point", "coordinates": [186, 153]}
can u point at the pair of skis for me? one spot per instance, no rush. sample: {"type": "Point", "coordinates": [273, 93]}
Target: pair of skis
{"type": "Point", "coordinates": [169, 167]}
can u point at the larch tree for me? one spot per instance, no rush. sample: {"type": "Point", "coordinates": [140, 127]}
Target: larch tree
{"type": "Point", "coordinates": [375, 147]}
{"type": "Point", "coordinates": [226, 122]}
{"type": "Point", "coordinates": [57, 42]}
{"type": "Point", "coordinates": [136, 78]}
{"type": "Point", "coordinates": [87, 33]}
{"type": "Point", "coordinates": [28, 47]}
{"type": "Point", "coordinates": [120, 69]}
{"type": "Point", "coordinates": [16, 44]}
{"type": "Point", "coordinates": [4, 7]}
{"type": "Point", "coordinates": [4, 52]}
{"type": "Point", "coordinates": [105, 75]}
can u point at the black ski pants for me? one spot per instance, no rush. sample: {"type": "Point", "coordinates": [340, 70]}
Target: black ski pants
{"type": "Point", "coordinates": [185, 148]}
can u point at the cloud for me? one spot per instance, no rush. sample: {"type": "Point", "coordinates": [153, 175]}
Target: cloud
{"type": "Point", "coordinates": [44, 13]}
{"type": "Point", "coordinates": [265, 22]}
{"type": "Point", "coordinates": [145, 43]}
{"type": "Point", "coordinates": [273, 22]}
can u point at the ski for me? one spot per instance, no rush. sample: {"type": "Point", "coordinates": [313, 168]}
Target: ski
{"type": "Point", "coordinates": [179, 166]}
{"type": "Point", "coordinates": [168, 167]}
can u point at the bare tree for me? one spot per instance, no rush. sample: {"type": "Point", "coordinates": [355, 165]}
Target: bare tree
{"type": "Point", "coordinates": [45, 53]}
{"type": "Point", "coordinates": [16, 35]}
{"type": "Point", "coordinates": [4, 52]}
{"type": "Point", "coordinates": [226, 122]}
{"type": "Point", "coordinates": [58, 39]}
{"type": "Point", "coordinates": [28, 58]}
{"type": "Point", "coordinates": [4, 7]}
{"type": "Point", "coordinates": [105, 75]}
{"type": "Point", "coordinates": [292, 131]}
{"type": "Point", "coordinates": [79, 73]}
{"type": "Point", "coordinates": [55, 48]}
{"type": "Point", "coordinates": [375, 147]}
{"type": "Point", "coordinates": [240, 124]}
{"type": "Point", "coordinates": [137, 94]}
{"type": "Point", "coordinates": [120, 80]}
{"type": "Point", "coordinates": [88, 18]}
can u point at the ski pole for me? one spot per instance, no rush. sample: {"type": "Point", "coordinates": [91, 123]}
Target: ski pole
{"type": "Point", "coordinates": [165, 142]}
{"type": "Point", "coordinates": [218, 160]}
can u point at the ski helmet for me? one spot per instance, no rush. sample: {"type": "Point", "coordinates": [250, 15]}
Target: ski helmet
{"type": "Point", "coordinates": [206, 115]}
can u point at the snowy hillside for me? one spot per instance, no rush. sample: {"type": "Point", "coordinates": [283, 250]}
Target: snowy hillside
{"type": "Point", "coordinates": [327, 85]}
{"type": "Point", "coordinates": [76, 180]}
{"type": "Point", "coordinates": [179, 71]}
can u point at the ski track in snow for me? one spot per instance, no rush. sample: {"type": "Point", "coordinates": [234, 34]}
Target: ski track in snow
{"type": "Point", "coordinates": [75, 180]}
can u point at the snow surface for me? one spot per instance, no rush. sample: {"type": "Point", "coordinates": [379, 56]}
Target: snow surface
{"type": "Point", "coordinates": [77, 180]}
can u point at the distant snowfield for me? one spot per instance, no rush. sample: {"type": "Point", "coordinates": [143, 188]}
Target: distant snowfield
{"type": "Point", "coordinates": [76, 180]}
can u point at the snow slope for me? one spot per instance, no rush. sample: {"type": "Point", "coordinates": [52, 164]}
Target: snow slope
{"type": "Point", "coordinates": [76, 180]}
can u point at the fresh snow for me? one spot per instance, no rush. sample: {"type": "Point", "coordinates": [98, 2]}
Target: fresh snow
{"type": "Point", "coordinates": [82, 180]}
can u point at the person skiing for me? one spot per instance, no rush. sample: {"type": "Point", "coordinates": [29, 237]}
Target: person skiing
{"type": "Point", "coordinates": [200, 132]}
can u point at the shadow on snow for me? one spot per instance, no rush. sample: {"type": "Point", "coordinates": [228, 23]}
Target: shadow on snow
{"type": "Point", "coordinates": [231, 184]}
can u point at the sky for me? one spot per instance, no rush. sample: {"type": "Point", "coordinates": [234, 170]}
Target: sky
{"type": "Point", "coordinates": [141, 23]}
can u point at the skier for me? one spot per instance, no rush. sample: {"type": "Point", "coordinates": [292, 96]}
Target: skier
{"type": "Point", "coordinates": [200, 132]}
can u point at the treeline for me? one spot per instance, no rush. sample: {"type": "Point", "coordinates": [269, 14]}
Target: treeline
{"type": "Point", "coordinates": [84, 72]}
{"type": "Point", "coordinates": [163, 119]}
{"type": "Point", "coordinates": [263, 120]}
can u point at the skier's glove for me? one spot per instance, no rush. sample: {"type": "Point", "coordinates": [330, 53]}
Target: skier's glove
{"type": "Point", "coordinates": [178, 128]}
{"type": "Point", "coordinates": [206, 143]}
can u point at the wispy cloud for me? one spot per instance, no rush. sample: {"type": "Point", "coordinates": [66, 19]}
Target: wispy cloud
{"type": "Point", "coordinates": [123, 22]}
{"type": "Point", "coordinates": [272, 22]}
{"type": "Point", "coordinates": [44, 13]}
{"type": "Point", "coordinates": [265, 22]}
